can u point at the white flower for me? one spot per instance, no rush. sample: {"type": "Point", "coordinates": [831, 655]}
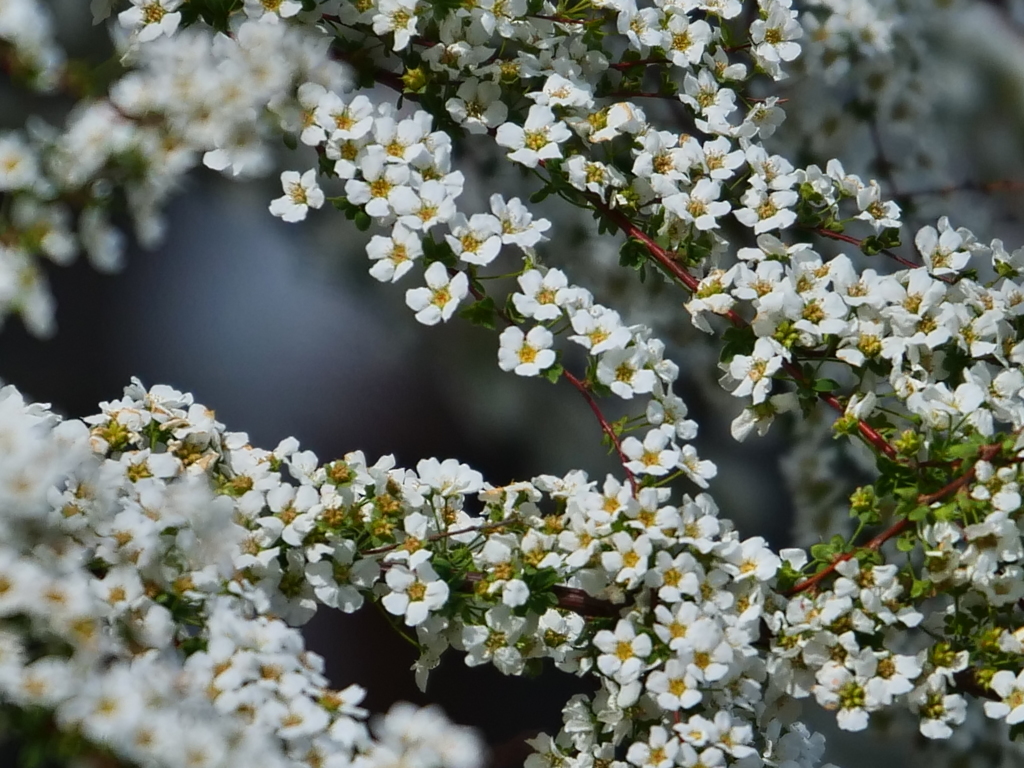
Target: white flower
{"type": "Point", "coordinates": [627, 563]}
{"type": "Point", "coordinates": [599, 329]}
{"type": "Point", "coordinates": [273, 9]}
{"type": "Point", "coordinates": [773, 37]}
{"type": "Point", "coordinates": [344, 121]}
{"type": "Point", "coordinates": [559, 91]}
{"type": "Point", "coordinates": [449, 478]}
{"type": "Point", "coordinates": [941, 250]}
{"type": "Point", "coordinates": [437, 302]}
{"type": "Point", "coordinates": [706, 650]}
{"type": "Point", "coordinates": [476, 240]}
{"type": "Point", "coordinates": [336, 581]}
{"type": "Point", "coordinates": [622, 652]}
{"type": "Point", "coordinates": [526, 354]}
{"type": "Point", "coordinates": [700, 206]}
{"type": "Point", "coordinates": [477, 105]}
{"type": "Point", "coordinates": [431, 204]}
{"type": "Point", "coordinates": [149, 19]}
{"type": "Point", "coordinates": [1010, 689]}
{"type": "Point", "coordinates": [517, 224]}
{"type": "Point", "coordinates": [414, 594]}
{"type": "Point", "coordinates": [393, 256]}
{"type": "Point", "coordinates": [878, 214]}
{"type": "Point", "coordinates": [765, 209]}
{"type": "Point", "coordinates": [838, 688]}
{"type": "Point", "coordinates": [657, 455]}
{"type": "Point", "coordinates": [754, 372]}
{"type": "Point", "coordinates": [536, 140]}
{"type": "Point", "coordinates": [382, 185]}
{"type": "Point", "coordinates": [659, 751]}
{"type": "Point", "coordinates": [300, 194]}
{"type": "Point", "coordinates": [624, 372]}
{"type": "Point", "coordinates": [541, 293]}
{"type": "Point", "coordinates": [938, 709]}
{"type": "Point", "coordinates": [684, 40]}
{"type": "Point", "coordinates": [495, 641]}
{"type": "Point", "coordinates": [398, 16]}
{"type": "Point", "coordinates": [674, 687]}
{"type": "Point", "coordinates": [592, 176]}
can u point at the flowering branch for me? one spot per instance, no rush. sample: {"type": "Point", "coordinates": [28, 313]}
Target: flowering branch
{"type": "Point", "coordinates": [985, 454]}
{"type": "Point", "coordinates": [662, 257]}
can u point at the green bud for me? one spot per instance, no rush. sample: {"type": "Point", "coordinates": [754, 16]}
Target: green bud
{"type": "Point", "coordinates": [415, 79]}
{"type": "Point", "coordinates": [908, 443]}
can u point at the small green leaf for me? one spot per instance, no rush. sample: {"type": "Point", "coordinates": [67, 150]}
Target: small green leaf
{"type": "Point", "coordinates": [822, 552]}
{"type": "Point", "coordinates": [632, 254]}
{"type": "Point", "coordinates": [919, 513]}
{"type": "Point", "coordinates": [554, 373]}
{"type": "Point", "coordinates": [481, 313]}
{"type": "Point", "coordinates": [890, 237]}
{"type": "Point", "coordinates": [906, 541]}
{"type": "Point", "coordinates": [871, 246]}
{"type": "Point", "coordinates": [920, 588]}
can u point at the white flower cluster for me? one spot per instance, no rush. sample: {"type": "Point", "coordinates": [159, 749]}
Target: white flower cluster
{"type": "Point", "coordinates": [117, 566]}
{"type": "Point", "coordinates": [690, 593]}
{"type": "Point", "coordinates": [31, 50]}
{"type": "Point", "coordinates": [156, 125]}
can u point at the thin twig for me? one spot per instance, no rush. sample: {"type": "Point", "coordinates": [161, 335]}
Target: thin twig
{"type": "Point", "coordinates": [857, 241]}
{"type": "Point", "coordinates": [605, 427]}
{"type": "Point", "coordinates": [583, 389]}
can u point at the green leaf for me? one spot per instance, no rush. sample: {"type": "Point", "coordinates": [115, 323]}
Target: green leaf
{"type": "Point", "coordinates": [554, 373]}
{"type": "Point", "coordinates": [737, 341]}
{"type": "Point", "coordinates": [906, 541]}
{"type": "Point", "coordinates": [890, 237]}
{"type": "Point", "coordinates": [920, 588]}
{"type": "Point", "coordinates": [481, 313]}
{"type": "Point", "coordinates": [632, 254]}
{"type": "Point", "coordinates": [919, 513]}
{"type": "Point", "coordinates": [363, 221]}
{"type": "Point", "coordinates": [826, 385]}
{"type": "Point", "coordinates": [822, 552]}
{"type": "Point", "coordinates": [870, 246]}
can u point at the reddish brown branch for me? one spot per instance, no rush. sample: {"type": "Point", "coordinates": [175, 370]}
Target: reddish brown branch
{"type": "Point", "coordinates": [607, 428]}
{"type": "Point", "coordinates": [857, 242]}
{"type": "Point", "coordinates": [638, 63]}
{"type": "Point", "coordinates": [569, 598]}
{"type": "Point", "coordinates": [987, 453]}
{"type": "Point", "coordinates": [874, 544]}
{"type": "Point", "coordinates": [926, 499]}
{"type": "Point", "coordinates": [869, 433]}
